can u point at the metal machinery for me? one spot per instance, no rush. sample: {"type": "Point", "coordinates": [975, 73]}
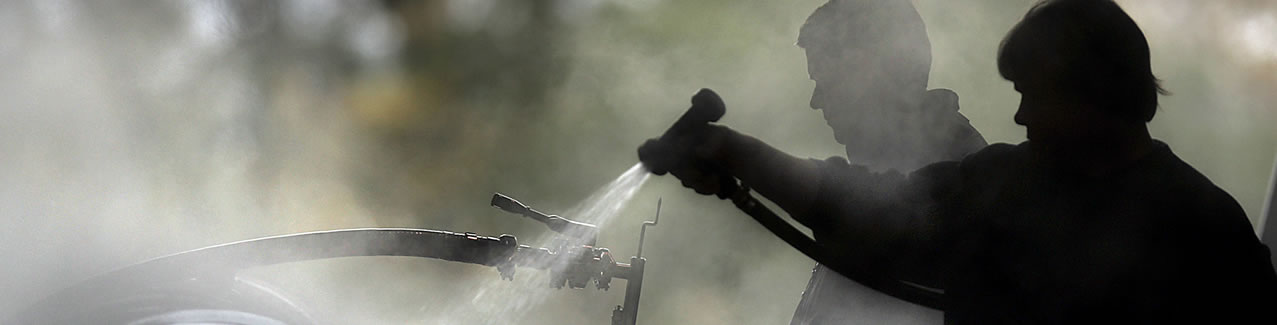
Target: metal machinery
{"type": "Point", "coordinates": [200, 287]}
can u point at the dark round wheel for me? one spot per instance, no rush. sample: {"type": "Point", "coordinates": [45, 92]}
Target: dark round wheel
{"type": "Point", "coordinates": [208, 316]}
{"type": "Point", "coordinates": [233, 301]}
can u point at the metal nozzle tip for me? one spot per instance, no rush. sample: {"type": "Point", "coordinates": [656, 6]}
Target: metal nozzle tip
{"type": "Point", "coordinates": [503, 202]}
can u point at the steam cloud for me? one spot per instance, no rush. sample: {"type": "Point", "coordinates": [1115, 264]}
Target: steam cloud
{"type": "Point", "coordinates": [134, 130]}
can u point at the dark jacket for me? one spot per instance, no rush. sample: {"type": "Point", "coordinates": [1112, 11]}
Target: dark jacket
{"type": "Point", "coordinates": [1014, 238]}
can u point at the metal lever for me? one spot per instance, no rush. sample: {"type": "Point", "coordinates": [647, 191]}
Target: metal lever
{"type": "Point", "coordinates": [627, 314]}
{"type": "Point", "coordinates": [584, 231]}
{"type": "Point", "coordinates": [643, 230]}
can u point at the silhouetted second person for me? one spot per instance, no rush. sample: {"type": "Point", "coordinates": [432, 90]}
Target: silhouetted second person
{"type": "Point", "coordinates": [871, 61]}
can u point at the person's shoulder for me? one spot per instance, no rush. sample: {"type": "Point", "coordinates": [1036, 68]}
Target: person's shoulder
{"type": "Point", "coordinates": [993, 163]}
{"type": "Point", "coordinates": [1198, 199]}
{"type": "Point", "coordinates": [997, 154]}
{"type": "Point", "coordinates": [1180, 177]}
{"type": "Point", "coordinates": [961, 137]}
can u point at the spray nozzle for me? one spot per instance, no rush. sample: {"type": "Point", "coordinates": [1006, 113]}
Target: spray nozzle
{"type": "Point", "coordinates": [580, 230]}
{"type": "Point", "coordinates": [656, 154]}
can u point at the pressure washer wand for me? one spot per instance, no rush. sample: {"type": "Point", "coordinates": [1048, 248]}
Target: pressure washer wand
{"type": "Point", "coordinates": [584, 231]}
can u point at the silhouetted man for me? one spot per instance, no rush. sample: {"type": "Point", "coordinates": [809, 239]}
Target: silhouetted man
{"type": "Point", "coordinates": [870, 60]}
{"type": "Point", "coordinates": [1089, 221]}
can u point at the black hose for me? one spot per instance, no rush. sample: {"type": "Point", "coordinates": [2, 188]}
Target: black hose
{"type": "Point", "coordinates": [445, 245]}
{"type": "Point", "coordinates": [903, 290]}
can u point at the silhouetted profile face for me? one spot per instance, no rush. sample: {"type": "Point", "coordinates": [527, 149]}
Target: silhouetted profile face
{"type": "Point", "coordinates": [1082, 69]}
{"type": "Point", "coordinates": [1053, 117]}
{"type": "Point", "coordinates": [847, 94]}
{"type": "Point", "coordinates": [869, 60]}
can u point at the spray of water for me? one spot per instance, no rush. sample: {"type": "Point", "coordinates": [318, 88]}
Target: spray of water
{"type": "Point", "coordinates": [606, 203]}
{"type": "Point", "coordinates": [502, 302]}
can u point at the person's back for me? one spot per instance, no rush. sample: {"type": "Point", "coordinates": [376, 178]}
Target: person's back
{"type": "Point", "coordinates": [1037, 242]}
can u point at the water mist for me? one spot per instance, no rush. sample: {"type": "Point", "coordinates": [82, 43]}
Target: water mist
{"type": "Point", "coordinates": [502, 302]}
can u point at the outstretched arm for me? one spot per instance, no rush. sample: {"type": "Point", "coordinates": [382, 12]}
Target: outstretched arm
{"type": "Point", "coordinates": [705, 156]}
{"type": "Point", "coordinates": [888, 222]}
{"type": "Point", "coordinates": [874, 219]}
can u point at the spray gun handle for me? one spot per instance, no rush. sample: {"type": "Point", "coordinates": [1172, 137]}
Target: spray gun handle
{"type": "Point", "coordinates": [706, 107]}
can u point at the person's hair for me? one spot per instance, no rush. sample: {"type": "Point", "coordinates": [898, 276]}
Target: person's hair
{"type": "Point", "coordinates": [1088, 48]}
{"type": "Point", "coordinates": [890, 30]}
